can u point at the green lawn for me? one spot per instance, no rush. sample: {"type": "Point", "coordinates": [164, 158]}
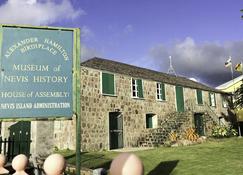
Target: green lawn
{"type": "Point", "coordinates": [218, 157]}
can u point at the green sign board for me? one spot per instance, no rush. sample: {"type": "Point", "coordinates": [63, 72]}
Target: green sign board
{"type": "Point", "coordinates": [36, 72]}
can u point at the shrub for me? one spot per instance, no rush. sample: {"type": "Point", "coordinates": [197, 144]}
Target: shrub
{"type": "Point", "coordinates": [56, 148]}
{"type": "Point", "coordinates": [173, 136]}
{"type": "Point", "coordinates": [190, 134]}
{"type": "Point", "coordinates": [223, 131]}
{"type": "Point", "coordinates": [233, 132]}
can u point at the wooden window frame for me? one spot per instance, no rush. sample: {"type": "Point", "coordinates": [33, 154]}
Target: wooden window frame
{"type": "Point", "coordinates": [212, 96]}
{"type": "Point", "coordinates": [160, 96]}
{"type": "Point", "coordinates": [135, 88]}
{"type": "Point", "coordinates": [154, 121]}
{"type": "Point", "coordinates": [224, 102]}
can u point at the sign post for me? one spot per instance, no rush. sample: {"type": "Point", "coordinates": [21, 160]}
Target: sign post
{"type": "Point", "coordinates": [77, 103]}
{"type": "Point", "coordinates": [40, 75]}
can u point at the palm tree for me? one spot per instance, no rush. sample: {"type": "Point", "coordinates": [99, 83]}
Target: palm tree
{"type": "Point", "coordinates": [238, 98]}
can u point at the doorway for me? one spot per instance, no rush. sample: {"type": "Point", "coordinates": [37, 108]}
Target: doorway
{"type": "Point", "coordinates": [116, 130]}
{"type": "Point", "coordinates": [199, 124]}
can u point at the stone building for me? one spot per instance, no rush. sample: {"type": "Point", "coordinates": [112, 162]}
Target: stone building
{"type": "Point", "coordinates": [127, 106]}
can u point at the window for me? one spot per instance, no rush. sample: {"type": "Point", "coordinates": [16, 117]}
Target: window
{"type": "Point", "coordinates": [212, 99]}
{"type": "Point", "coordinates": [137, 88]}
{"type": "Point", "coordinates": [224, 101]}
{"type": "Point", "coordinates": [108, 84]}
{"type": "Point", "coordinates": [199, 97]}
{"type": "Point", "coordinates": [151, 121]}
{"type": "Point", "coordinates": [160, 91]}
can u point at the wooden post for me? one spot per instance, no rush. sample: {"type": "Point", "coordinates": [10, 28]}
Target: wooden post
{"type": "Point", "coordinates": [77, 101]}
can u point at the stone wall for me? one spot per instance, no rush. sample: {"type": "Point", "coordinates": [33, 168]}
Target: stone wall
{"type": "Point", "coordinates": [177, 122]}
{"type": "Point", "coordinates": [65, 134]}
{"type": "Point", "coordinates": [95, 108]}
{"type": "Point", "coordinates": [42, 138]}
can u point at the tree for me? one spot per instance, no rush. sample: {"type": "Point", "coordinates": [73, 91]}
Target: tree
{"type": "Point", "coordinates": [238, 98]}
{"type": "Point", "coordinates": [238, 105]}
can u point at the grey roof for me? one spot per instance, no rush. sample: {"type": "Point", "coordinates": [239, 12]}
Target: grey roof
{"type": "Point", "coordinates": [143, 73]}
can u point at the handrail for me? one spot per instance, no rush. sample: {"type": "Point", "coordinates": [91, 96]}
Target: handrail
{"type": "Point", "coordinates": [214, 114]}
{"type": "Point", "coordinates": [191, 106]}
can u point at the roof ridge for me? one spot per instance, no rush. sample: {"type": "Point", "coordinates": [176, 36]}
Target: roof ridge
{"type": "Point", "coordinates": [127, 65]}
{"type": "Point", "coordinates": [145, 73]}
{"type": "Point", "coordinates": [130, 65]}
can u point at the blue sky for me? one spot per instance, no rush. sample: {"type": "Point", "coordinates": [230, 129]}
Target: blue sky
{"type": "Point", "coordinates": [199, 34]}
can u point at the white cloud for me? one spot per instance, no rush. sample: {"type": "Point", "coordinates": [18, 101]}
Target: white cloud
{"type": "Point", "coordinates": [37, 13]}
{"type": "Point", "coordinates": [86, 33]}
{"type": "Point", "coordinates": [201, 60]}
{"type": "Point", "coordinates": [87, 53]}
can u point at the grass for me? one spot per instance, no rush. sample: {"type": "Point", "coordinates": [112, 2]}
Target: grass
{"type": "Point", "coordinates": [217, 157]}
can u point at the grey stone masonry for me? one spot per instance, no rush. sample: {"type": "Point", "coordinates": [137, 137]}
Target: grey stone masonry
{"type": "Point", "coordinates": [95, 109]}
{"type": "Point", "coordinates": [42, 138]}
{"type": "Point", "coordinates": [175, 122]}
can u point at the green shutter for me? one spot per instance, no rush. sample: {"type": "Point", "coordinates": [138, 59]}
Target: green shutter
{"type": "Point", "coordinates": [108, 84]}
{"type": "Point", "coordinates": [162, 91]}
{"type": "Point", "coordinates": [140, 88]}
{"type": "Point", "coordinates": [149, 121]}
{"type": "Point", "coordinates": [179, 99]}
{"type": "Point", "coordinates": [199, 97]}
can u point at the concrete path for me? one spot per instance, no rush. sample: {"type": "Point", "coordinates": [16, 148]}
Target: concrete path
{"type": "Point", "coordinates": [132, 149]}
